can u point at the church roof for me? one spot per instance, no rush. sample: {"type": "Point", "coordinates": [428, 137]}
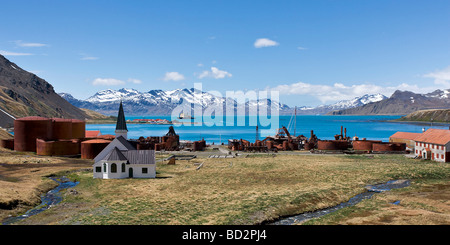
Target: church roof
{"type": "Point", "coordinates": [114, 155]}
{"type": "Point", "coordinates": [140, 156]}
{"type": "Point", "coordinates": [121, 124]}
{"type": "Point", "coordinates": [132, 156]}
{"type": "Point", "coordinates": [125, 143]}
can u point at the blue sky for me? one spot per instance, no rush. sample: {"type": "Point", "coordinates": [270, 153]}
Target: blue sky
{"type": "Point", "coordinates": [314, 52]}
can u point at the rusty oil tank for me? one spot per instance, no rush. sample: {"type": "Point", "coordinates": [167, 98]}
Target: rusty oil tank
{"type": "Point", "coordinates": [78, 129]}
{"type": "Point", "coordinates": [62, 128]}
{"type": "Point", "coordinates": [91, 148]}
{"type": "Point", "coordinates": [7, 143]}
{"type": "Point", "coordinates": [57, 147]}
{"type": "Point", "coordinates": [269, 144]}
{"type": "Point", "coordinates": [28, 129]}
{"type": "Point", "coordinates": [388, 147]}
{"type": "Point", "coordinates": [332, 145]}
{"type": "Point", "coordinates": [364, 145]}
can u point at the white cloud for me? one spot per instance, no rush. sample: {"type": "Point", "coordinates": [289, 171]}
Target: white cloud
{"type": "Point", "coordinates": [301, 48]}
{"type": "Point", "coordinates": [133, 80]}
{"type": "Point", "coordinates": [20, 43]}
{"type": "Point", "coordinates": [339, 91]}
{"type": "Point", "coordinates": [264, 42]}
{"type": "Point", "coordinates": [441, 77]}
{"type": "Point", "coordinates": [8, 53]}
{"type": "Point", "coordinates": [89, 58]}
{"type": "Point", "coordinates": [215, 73]}
{"type": "Point", "coordinates": [173, 76]}
{"type": "Point", "coordinates": [107, 82]}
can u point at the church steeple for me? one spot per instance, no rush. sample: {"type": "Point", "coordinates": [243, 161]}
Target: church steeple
{"type": "Point", "coordinates": [121, 126]}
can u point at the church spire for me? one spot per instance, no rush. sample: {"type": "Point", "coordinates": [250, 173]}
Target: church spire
{"type": "Point", "coordinates": [121, 126]}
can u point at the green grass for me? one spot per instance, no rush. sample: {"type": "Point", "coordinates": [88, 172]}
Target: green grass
{"type": "Point", "coordinates": [250, 191]}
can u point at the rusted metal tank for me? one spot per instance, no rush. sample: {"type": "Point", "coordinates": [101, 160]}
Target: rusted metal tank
{"type": "Point", "coordinates": [28, 129]}
{"type": "Point", "coordinates": [7, 143]}
{"type": "Point", "coordinates": [388, 147]}
{"type": "Point", "coordinates": [364, 145]}
{"type": "Point", "coordinates": [78, 129]}
{"type": "Point", "coordinates": [269, 144]}
{"type": "Point", "coordinates": [57, 147]}
{"type": "Point", "coordinates": [62, 128]}
{"type": "Point", "coordinates": [332, 145]}
{"type": "Point", "coordinates": [91, 148]}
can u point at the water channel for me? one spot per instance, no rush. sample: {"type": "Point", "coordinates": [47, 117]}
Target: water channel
{"type": "Point", "coordinates": [371, 190]}
{"type": "Point", "coordinates": [48, 199]}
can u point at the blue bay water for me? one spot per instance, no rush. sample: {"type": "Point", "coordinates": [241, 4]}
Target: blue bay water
{"type": "Point", "coordinates": [325, 127]}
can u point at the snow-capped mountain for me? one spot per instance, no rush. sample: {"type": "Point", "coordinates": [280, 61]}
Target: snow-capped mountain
{"type": "Point", "coordinates": [341, 105]}
{"type": "Point", "coordinates": [160, 102]}
{"type": "Point", "coordinates": [358, 101]}
{"type": "Point", "coordinates": [440, 94]}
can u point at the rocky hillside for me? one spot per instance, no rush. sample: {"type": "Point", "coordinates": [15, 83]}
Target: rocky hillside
{"type": "Point", "coordinates": [24, 94]}
{"type": "Point", "coordinates": [401, 103]}
{"type": "Point", "coordinates": [437, 115]}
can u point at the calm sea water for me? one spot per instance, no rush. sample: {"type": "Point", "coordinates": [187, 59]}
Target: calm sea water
{"type": "Point", "coordinates": [325, 127]}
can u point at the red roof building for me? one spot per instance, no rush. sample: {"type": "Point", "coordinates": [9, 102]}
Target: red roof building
{"type": "Point", "coordinates": [92, 133]}
{"type": "Point", "coordinates": [433, 144]}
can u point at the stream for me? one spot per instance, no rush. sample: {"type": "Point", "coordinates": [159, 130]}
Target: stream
{"type": "Point", "coordinates": [371, 190]}
{"type": "Point", "coordinates": [48, 199]}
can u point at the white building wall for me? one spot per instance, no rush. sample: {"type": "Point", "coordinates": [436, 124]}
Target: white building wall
{"type": "Point", "coordinates": [137, 170]}
{"type": "Point", "coordinates": [438, 151]}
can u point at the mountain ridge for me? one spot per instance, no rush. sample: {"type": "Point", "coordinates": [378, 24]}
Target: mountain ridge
{"type": "Point", "coordinates": [401, 103]}
{"type": "Point", "coordinates": [160, 102]}
{"type": "Point", "coordinates": [23, 93]}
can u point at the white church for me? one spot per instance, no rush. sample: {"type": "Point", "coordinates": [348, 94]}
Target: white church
{"type": "Point", "coordinates": [120, 159]}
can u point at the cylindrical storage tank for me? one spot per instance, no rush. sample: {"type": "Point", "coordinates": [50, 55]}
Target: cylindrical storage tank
{"type": "Point", "coordinates": [62, 128]}
{"type": "Point", "coordinates": [91, 148]}
{"type": "Point", "coordinates": [78, 129]}
{"type": "Point", "coordinates": [285, 146]}
{"type": "Point", "coordinates": [269, 144]}
{"type": "Point", "coordinates": [327, 145]}
{"type": "Point", "coordinates": [44, 148]}
{"type": "Point", "coordinates": [28, 129]}
{"type": "Point", "coordinates": [7, 143]}
{"type": "Point", "coordinates": [364, 145]}
{"type": "Point", "coordinates": [383, 147]}
{"type": "Point", "coordinates": [195, 146]}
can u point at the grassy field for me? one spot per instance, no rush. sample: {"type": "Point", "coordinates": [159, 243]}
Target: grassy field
{"type": "Point", "coordinates": [249, 191]}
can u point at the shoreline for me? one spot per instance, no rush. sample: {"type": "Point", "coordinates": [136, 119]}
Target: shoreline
{"type": "Point", "coordinates": [424, 123]}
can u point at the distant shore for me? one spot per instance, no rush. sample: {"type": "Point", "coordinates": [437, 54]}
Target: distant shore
{"type": "Point", "coordinates": [110, 121]}
{"type": "Point", "coordinates": [424, 123]}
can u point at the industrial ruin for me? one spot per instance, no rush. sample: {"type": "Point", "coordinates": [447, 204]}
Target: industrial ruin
{"type": "Point", "coordinates": [284, 141]}
{"type": "Point", "coordinates": [68, 137]}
